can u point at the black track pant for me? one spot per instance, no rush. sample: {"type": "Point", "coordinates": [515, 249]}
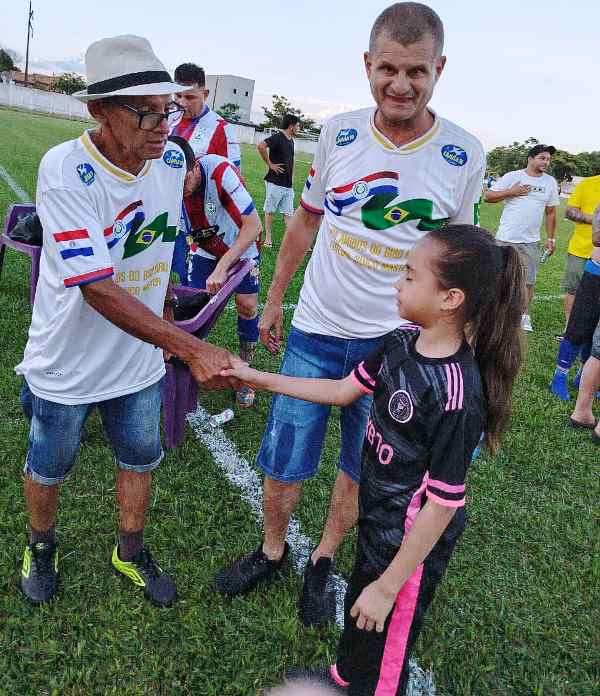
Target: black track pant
{"type": "Point", "coordinates": [376, 664]}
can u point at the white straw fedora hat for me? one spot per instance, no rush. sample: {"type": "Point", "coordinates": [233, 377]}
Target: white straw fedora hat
{"type": "Point", "coordinates": [125, 65]}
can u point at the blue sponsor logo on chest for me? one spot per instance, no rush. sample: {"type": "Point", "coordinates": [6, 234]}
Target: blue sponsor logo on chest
{"type": "Point", "coordinates": [86, 173]}
{"type": "Point", "coordinates": [346, 136]}
{"type": "Point", "coordinates": [174, 159]}
{"type": "Point", "coordinates": [454, 155]}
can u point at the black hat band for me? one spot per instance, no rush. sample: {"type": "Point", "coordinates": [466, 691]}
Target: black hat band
{"type": "Point", "coordinates": [147, 77]}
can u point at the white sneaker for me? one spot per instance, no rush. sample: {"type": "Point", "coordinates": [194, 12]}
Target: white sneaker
{"type": "Point", "coordinates": [526, 323]}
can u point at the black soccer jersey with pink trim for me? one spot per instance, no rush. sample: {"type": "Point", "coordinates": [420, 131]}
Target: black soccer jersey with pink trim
{"type": "Point", "coordinates": [426, 420]}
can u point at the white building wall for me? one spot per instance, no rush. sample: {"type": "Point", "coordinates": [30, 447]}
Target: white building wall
{"type": "Point", "coordinates": [231, 89]}
{"type": "Point", "coordinates": [39, 100]}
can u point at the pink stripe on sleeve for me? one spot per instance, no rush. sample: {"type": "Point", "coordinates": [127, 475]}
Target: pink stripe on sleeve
{"type": "Point", "coordinates": [461, 387]}
{"type": "Point", "coordinates": [444, 502]}
{"type": "Point", "coordinates": [455, 387]}
{"type": "Point", "coordinates": [447, 487]}
{"type": "Point", "coordinates": [449, 382]}
{"type": "Point", "coordinates": [360, 385]}
{"type": "Point", "coordinates": [365, 375]}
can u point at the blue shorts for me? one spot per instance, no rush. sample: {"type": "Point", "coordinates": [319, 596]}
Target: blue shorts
{"type": "Point", "coordinates": [203, 267]}
{"type": "Point", "coordinates": [293, 438]}
{"type": "Point", "coordinates": [132, 423]}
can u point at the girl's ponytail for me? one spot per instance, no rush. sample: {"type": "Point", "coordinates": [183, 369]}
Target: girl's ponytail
{"type": "Point", "coordinates": [497, 343]}
{"type": "Point", "coordinates": [491, 277]}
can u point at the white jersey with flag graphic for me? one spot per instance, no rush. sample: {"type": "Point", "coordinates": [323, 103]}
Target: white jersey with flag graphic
{"type": "Point", "coordinates": [377, 201]}
{"type": "Point", "coordinates": [99, 222]}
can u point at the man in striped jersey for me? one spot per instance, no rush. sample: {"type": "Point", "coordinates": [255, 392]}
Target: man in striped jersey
{"type": "Point", "coordinates": [206, 131]}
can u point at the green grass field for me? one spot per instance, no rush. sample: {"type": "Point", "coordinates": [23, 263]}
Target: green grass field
{"type": "Point", "coordinates": [518, 613]}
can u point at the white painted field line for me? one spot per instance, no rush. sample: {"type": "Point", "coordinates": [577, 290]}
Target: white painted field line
{"type": "Point", "coordinates": [548, 298]}
{"type": "Point", "coordinates": [240, 473]}
{"type": "Point", "coordinates": [17, 190]}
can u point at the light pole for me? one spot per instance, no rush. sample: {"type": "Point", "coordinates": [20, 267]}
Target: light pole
{"type": "Point", "coordinates": [29, 33]}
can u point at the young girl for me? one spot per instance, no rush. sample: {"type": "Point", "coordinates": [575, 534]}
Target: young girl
{"type": "Point", "coordinates": [438, 384]}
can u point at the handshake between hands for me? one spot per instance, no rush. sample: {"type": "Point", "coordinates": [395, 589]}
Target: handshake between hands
{"type": "Point", "coordinates": [216, 368]}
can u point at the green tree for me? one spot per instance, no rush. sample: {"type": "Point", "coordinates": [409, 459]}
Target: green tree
{"type": "Point", "coordinates": [230, 111]}
{"type": "Point", "coordinates": [564, 166]}
{"type": "Point", "coordinates": [281, 106]}
{"type": "Point", "coordinates": [68, 83]}
{"type": "Point", "coordinates": [6, 62]}
{"type": "Point", "coordinates": [506, 159]}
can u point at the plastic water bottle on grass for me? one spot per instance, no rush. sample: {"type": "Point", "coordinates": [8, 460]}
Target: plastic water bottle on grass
{"type": "Point", "coordinates": [220, 418]}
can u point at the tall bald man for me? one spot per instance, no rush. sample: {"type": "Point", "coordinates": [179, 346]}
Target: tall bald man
{"type": "Point", "coordinates": [382, 178]}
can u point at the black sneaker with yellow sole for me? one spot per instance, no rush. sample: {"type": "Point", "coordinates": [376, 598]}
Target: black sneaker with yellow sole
{"type": "Point", "coordinates": [143, 571]}
{"type": "Point", "coordinates": [39, 573]}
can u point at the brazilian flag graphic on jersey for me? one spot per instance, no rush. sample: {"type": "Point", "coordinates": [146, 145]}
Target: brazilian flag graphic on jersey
{"type": "Point", "coordinates": [378, 214]}
{"type": "Point", "coordinates": [140, 240]}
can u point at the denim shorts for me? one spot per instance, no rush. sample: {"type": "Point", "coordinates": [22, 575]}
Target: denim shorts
{"type": "Point", "coordinates": [293, 438]}
{"type": "Point", "coordinates": [203, 267]}
{"type": "Point", "coordinates": [279, 199]}
{"type": "Point", "coordinates": [132, 423]}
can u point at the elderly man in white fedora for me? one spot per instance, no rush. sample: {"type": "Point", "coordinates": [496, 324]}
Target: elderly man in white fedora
{"type": "Point", "coordinates": [109, 203]}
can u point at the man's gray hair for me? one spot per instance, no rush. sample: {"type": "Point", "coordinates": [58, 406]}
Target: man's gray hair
{"type": "Point", "coordinates": [407, 23]}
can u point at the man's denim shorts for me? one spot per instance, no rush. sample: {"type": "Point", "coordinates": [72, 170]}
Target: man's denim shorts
{"type": "Point", "coordinates": [293, 438]}
{"type": "Point", "coordinates": [132, 423]}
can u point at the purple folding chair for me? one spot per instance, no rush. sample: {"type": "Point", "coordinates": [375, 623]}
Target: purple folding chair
{"type": "Point", "coordinates": [180, 392]}
{"type": "Point", "coordinates": [13, 215]}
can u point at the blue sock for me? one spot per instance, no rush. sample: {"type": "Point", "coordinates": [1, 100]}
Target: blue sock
{"type": "Point", "coordinates": [559, 385]}
{"type": "Point", "coordinates": [247, 329]}
{"type": "Point", "coordinates": [567, 354]}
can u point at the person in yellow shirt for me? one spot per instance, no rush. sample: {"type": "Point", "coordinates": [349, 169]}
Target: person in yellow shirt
{"type": "Point", "coordinates": [581, 205]}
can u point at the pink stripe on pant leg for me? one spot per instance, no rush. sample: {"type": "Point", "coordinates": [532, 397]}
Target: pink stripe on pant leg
{"type": "Point", "coordinates": [394, 652]}
{"type": "Point", "coordinates": [335, 675]}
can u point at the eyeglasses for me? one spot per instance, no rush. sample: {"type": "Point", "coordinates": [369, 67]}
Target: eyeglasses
{"type": "Point", "coordinates": [151, 120]}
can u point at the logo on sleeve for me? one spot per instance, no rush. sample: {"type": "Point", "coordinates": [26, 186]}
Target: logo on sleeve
{"type": "Point", "coordinates": [174, 159]}
{"type": "Point", "coordinates": [86, 173]}
{"type": "Point", "coordinates": [346, 136]}
{"type": "Point", "coordinates": [400, 406]}
{"type": "Point", "coordinates": [454, 155]}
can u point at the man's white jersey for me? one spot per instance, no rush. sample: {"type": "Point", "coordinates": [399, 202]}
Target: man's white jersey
{"type": "Point", "coordinates": [210, 134]}
{"type": "Point", "coordinates": [99, 222]}
{"type": "Point", "coordinates": [522, 215]}
{"type": "Point", "coordinates": [219, 202]}
{"type": "Point", "coordinates": [377, 201]}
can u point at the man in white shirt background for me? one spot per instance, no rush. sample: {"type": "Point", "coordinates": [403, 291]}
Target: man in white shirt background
{"type": "Point", "coordinates": [529, 194]}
